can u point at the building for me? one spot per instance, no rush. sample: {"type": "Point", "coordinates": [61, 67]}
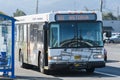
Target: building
{"type": "Point", "coordinates": [111, 25]}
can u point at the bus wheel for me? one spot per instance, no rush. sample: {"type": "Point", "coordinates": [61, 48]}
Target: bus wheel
{"type": "Point", "coordinates": [90, 71]}
{"type": "Point", "coordinates": [42, 70]}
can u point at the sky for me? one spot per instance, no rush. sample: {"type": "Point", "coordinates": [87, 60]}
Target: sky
{"type": "Point", "coordinates": [29, 6]}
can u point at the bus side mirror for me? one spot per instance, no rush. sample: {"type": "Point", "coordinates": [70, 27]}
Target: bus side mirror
{"type": "Point", "coordinates": [108, 34]}
{"type": "Point", "coordinates": [45, 26]}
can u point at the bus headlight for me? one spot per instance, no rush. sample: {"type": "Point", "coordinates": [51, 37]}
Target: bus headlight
{"type": "Point", "coordinates": [54, 58]}
{"type": "Point", "coordinates": [98, 56]}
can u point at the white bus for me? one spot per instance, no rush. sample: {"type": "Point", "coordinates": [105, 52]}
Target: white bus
{"type": "Point", "coordinates": [56, 40]}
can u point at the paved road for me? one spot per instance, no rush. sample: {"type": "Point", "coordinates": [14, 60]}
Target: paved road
{"type": "Point", "coordinates": [110, 72]}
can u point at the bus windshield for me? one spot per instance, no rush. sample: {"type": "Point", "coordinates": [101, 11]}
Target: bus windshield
{"type": "Point", "coordinates": [76, 34]}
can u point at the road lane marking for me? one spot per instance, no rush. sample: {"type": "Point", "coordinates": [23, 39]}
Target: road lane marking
{"type": "Point", "coordinates": [107, 74]}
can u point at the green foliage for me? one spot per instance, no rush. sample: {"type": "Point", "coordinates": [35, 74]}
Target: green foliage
{"type": "Point", "coordinates": [119, 17]}
{"type": "Point", "coordinates": [109, 16]}
{"type": "Point", "coordinates": [2, 12]}
{"type": "Point", "coordinates": [19, 13]}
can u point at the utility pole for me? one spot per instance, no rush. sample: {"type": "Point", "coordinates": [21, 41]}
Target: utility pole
{"type": "Point", "coordinates": [118, 13]}
{"type": "Point", "coordinates": [101, 5]}
{"type": "Point", "coordinates": [37, 2]}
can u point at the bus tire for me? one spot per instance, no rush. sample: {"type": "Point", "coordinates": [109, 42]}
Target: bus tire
{"type": "Point", "coordinates": [90, 70]}
{"type": "Point", "coordinates": [42, 70]}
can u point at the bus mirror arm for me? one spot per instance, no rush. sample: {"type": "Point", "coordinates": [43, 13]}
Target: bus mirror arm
{"type": "Point", "coordinates": [45, 26]}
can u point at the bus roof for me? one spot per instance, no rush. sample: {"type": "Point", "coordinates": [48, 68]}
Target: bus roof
{"type": "Point", "coordinates": [49, 17]}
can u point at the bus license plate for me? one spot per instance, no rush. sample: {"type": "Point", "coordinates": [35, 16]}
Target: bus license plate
{"type": "Point", "coordinates": [76, 65]}
{"type": "Point", "coordinates": [77, 57]}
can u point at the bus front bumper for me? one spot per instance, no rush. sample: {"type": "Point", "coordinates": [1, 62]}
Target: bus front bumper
{"type": "Point", "coordinates": [77, 65]}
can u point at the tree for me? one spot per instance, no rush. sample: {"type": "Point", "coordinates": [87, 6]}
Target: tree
{"type": "Point", "coordinates": [2, 12]}
{"type": "Point", "coordinates": [109, 16]}
{"type": "Point", "coordinates": [19, 13]}
{"type": "Point", "coordinates": [86, 9]}
{"type": "Point", "coordinates": [119, 17]}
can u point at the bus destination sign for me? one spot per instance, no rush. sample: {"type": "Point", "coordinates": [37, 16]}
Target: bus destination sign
{"type": "Point", "coordinates": [74, 17]}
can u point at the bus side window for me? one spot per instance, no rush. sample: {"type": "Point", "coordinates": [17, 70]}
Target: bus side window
{"type": "Point", "coordinates": [18, 32]}
{"type": "Point", "coordinates": [21, 32]}
{"type": "Point", "coordinates": [40, 36]}
{"type": "Point", "coordinates": [25, 32]}
{"type": "Point", "coordinates": [31, 33]}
